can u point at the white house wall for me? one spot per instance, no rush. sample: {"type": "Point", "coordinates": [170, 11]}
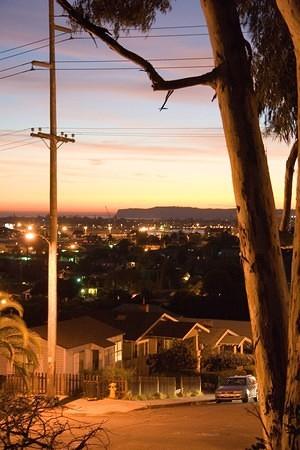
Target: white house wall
{"type": "Point", "coordinates": [60, 358]}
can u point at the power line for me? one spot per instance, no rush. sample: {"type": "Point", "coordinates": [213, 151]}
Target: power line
{"type": "Point", "coordinates": [33, 49]}
{"type": "Point", "coordinates": [60, 34]}
{"type": "Point", "coordinates": [173, 27]}
{"type": "Point", "coordinates": [12, 132]}
{"type": "Point", "coordinates": [14, 67]}
{"type": "Point", "coordinates": [153, 28]}
{"type": "Point", "coordinates": [62, 61]}
{"type": "Point", "coordinates": [17, 146]}
{"type": "Point", "coordinates": [16, 73]}
{"type": "Point", "coordinates": [137, 36]}
{"type": "Point", "coordinates": [28, 44]}
{"type": "Point", "coordinates": [108, 61]}
{"type": "Point", "coordinates": [15, 142]}
{"type": "Point", "coordinates": [83, 69]}
{"type": "Point", "coordinates": [139, 128]}
{"type": "Point", "coordinates": [143, 135]}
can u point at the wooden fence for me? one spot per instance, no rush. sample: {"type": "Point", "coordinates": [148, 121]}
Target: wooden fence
{"type": "Point", "coordinates": [95, 386]}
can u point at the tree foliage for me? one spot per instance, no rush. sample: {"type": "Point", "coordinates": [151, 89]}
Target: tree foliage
{"type": "Point", "coordinates": [274, 66]}
{"type": "Point", "coordinates": [177, 359]}
{"type": "Point", "coordinates": [123, 14]}
{"type": "Point", "coordinates": [17, 344]}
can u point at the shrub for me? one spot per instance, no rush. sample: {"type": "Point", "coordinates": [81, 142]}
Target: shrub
{"type": "Point", "coordinates": [178, 359]}
{"type": "Point", "coordinates": [217, 362]}
{"type": "Point", "coordinates": [38, 422]}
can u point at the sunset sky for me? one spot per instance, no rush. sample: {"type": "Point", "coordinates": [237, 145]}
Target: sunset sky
{"type": "Point", "coordinates": [127, 153]}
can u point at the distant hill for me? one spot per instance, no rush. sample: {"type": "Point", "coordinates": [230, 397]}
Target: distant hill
{"type": "Point", "coordinates": [177, 213]}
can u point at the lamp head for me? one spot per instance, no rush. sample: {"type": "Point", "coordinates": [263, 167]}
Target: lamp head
{"type": "Point", "coordinates": [30, 236]}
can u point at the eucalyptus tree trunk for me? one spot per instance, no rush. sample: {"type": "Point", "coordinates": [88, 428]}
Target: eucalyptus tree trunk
{"type": "Point", "coordinates": [290, 10]}
{"type": "Point", "coordinates": [265, 279]}
{"type": "Point", "coordinates": [288, 186]}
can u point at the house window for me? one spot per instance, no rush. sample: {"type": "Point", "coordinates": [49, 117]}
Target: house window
{"type": "Point", "coordinates": [168, 343]}
{"type": "Point", "coordinates": [109, 357]}
{"type": "Point", "coordinates": [95, 359]}
{"type": "Point", "coordinates": [118, 351]}
{"type": "Point", "coordinates": [81, 361]}
{"type": "Point", "coordinates": [143, 349]}
{"type": "Point", "coordinates": [78, 362]}
{"type": "Point", "coordinates": [160, 345]}
{"type": "Point", "coordinates": [92, 291]}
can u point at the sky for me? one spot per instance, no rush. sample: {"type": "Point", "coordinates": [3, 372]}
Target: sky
{"type": "Point", "coordinates": [127, 152]}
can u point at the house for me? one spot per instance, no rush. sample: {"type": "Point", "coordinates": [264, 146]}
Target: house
{"type": "Point", "coordinates": [227, 335]}
{"type": "Point", "coordinates": [134, 324]}
{"type": "Point", "coordinates": [83, 343]}
{"type": "Point", "coordinates": [147, 333]}
{"type": "Point", "coordinates": [163, 334]}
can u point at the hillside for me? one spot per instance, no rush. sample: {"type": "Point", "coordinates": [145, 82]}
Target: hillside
{"type": "Point", "coordinates": [177, 213]}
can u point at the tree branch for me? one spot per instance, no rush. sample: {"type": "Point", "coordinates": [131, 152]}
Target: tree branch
{"type": "Point", "coordinates": [158, 83]}
{"type": "Point", "coordinates": [288, 184]}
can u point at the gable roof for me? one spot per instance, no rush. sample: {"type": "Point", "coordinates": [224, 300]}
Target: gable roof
{"type": "Point", "coordinates": [233, 340]}
{"type": "Point", "coordinates": [133, 324]}
{"type": "Point", "coordinates": [213, 338]}
{"type": "Point", "coordinates": [243, 328]}
{"type": "Point", "coordinates": [172, 330]}
{"type": "Point", "coordinates": [81, 330]}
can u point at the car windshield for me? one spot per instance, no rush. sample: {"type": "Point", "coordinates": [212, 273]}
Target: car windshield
{"type": "Point", "coordinates": [235, 382]}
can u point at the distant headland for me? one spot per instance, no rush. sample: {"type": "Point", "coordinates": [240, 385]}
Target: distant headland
{"type": "Point", "coordinates": [177, 213]}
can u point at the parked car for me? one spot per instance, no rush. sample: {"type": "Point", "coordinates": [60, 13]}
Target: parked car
{"type": "Point", "coordinates": [238, 387]}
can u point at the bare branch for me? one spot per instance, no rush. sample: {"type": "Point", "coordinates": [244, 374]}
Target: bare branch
{"type": "Point", "coordinates": [158, 83]}
{"type": "Point", "coordinates": [169, 93]}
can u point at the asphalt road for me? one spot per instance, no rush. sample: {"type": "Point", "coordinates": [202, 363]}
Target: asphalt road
{"type": "Point", "coordinates": [226, 426]}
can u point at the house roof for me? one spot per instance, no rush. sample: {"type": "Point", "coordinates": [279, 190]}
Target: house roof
{"type": "Point", "coordinates": [216, 334]}
{"type": "Point", "coordinates": [81, 330]}
{"type": "Point", "coordinates": [241, 327]}
{"type": "Point", "coordinates": [233, 340]}
{"type": "Point", "coordinates": [133, 324]}
{"type": "Point", "coordinates": [170, 329]}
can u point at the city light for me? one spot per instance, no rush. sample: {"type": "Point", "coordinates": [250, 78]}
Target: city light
{"type": "Point", "coordinates": [30, 236]}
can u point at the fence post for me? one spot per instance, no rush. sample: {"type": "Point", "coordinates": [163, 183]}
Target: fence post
{"type": "Point", "coordinates": [157, 384]}
{"type": "Point", "coordinates": [140, 385]}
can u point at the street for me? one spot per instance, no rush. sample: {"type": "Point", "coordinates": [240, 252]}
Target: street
{"type": "Point", "coordinates": [229, 426]}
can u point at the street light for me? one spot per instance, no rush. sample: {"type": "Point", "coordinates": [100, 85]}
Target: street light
{"type": "Point", "coordinates": [52, 313]}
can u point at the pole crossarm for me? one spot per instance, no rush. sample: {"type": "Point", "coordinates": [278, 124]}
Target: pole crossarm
{"type": "Point", "coordinates": [61, 138]}
{"type": "Point", "coordinates": [41, 64]}
{"type": "Point", "coordinates": [62, 29]}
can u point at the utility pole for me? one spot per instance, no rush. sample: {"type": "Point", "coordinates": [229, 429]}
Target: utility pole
{"type": "Point", "coordinates": [52, 258]}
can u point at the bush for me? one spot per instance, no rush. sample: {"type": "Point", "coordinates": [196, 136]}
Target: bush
{"type": "Point", "coordinates": [37, 422]}
{"type": "Point", "coordinates": [217, 362]}
{"type": "Point", "coordinates": [110, 374]}
{"type": "Point", "coordinates": [178, 359]}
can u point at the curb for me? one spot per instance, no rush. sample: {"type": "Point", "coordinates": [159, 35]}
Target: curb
{"type": "Point", "coordinates": [183, 403]}
{"type": "Point", "coordinates": [144, 405]}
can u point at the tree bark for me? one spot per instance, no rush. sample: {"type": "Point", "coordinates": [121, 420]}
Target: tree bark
{"type": "Point", "coordinates": [290, 10]}
{"type": "Point", "coordinates": [265, 280]}
{"type": "Point", "coordinates": [288, 186]}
